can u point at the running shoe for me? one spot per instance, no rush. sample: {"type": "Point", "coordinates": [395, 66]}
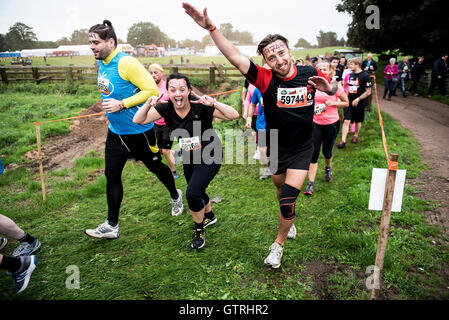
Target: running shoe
{"type": "Point", "coordinates": [309, 188]}
{"type": "Point", "coordinates": [328, 174]}
{"type": "Point", "coordinates": [198, 239]}
{"type": "Point", "coordinates": [266, 174]}
{"type": "Point", "coordinates": [104, 230]}
{"type": "Point", "coordinates": [292, 232]}
{"type": "Point", "coordinates": [176, 205]}
{"type": "Point", "coordinates": [341, 145]}
{"type": "Point", "coordinates": [256, 155]}
{"type": "Point", "coordinates": [23, 275]}
{"type": "Point", "coordinates": [209, 221]}
{"type": "Point", "coordinates": [26, 249]}
{"type": "Point", "coordinates": [355, 139]}
{"type": "Point", "coordinates": [3, 243]}
{"type": "Point", "coordinates": [274, 258]}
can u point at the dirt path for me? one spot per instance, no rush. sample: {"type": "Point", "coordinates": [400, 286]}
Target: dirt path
{"type": "Point", "coordinates": [429, 122]}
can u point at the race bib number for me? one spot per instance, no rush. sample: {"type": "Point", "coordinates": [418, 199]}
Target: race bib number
{"type": "Point", "coordinates": [293, 97]}
{"type": "Point", "coordinates": [103, 85]}
{"type": "Point", "coordinates": [190, 144]}
{"type": "Point", "coordinates": [320, 108]}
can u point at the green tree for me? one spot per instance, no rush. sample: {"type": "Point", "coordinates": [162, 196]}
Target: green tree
{"type": "Point", "coordinates": [414, 27]}
{"type": "Point", "coordinates": [146, 32]}
{"type": "Point", "coordinates": [20, 36]}
{"type": "Point", "coordinates": [187, 43]}
{"type": "Point", "coordinates": [3, 45]}
{"type": "Point", "coordinates": [303, 43]}
{"type": "Point", "coordinates": [80, 37]}
{"type": "Point", "coordinates": [327, 39]}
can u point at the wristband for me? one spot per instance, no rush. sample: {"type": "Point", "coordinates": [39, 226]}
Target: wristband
{"type": "Point", "coordinates": [122, 105]}
{"type": "Point", "coordinates": [213, 29]}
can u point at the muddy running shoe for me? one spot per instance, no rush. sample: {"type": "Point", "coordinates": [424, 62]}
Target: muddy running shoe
{"type": "Point", "coordinates": [328, 174]}
{"type": "Point", "coordinates": [198, 238]}
{"type": "Point", "coordinates": [355, 139]}
{"type": "Point", "coordinates": [292, 232]}
{"type": "Point", "coordinates": [104, 230]}
{"type": "Point", "coordinates": [341, 145]}
{"type": "Point", "coordinates": [26, 249]}
{"type": "Point", "coordinates": [23, 275]}
{"type": "Point", "coordinates": [209, 221]}
{"type": "Point", "coordinates": [309, 188]}
{"type": "Point", "coordinates": [3, 243]}
{"type": "Point", "coordinates": [177, 206]}
{"type": "Point", "coordinates": [274, 258]}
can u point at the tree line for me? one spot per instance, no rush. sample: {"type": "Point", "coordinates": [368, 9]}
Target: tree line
{"type": "Point", "coordinates": [20, 36]}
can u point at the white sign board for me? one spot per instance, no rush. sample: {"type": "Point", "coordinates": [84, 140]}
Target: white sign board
{"type": "Point", "coordinates": [377, 193]}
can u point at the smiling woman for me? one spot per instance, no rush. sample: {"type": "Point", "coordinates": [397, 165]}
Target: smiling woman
{"type": "Point", "coordinates": [191, 122]}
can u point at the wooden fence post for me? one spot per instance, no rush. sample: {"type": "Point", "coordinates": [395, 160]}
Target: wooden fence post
{"type": "Point", "coordinates": [212, 75]}
{"type": "Point", "coordinates": [384, 226]}
{"type": "Point", "coordinates": [35, 72]}
{"type": "Point", "coordinates": [69, 74]}
{"type": "Point", "coordinates": [41, 169]}
{"type": "Point", "coordinates": [4, 75]}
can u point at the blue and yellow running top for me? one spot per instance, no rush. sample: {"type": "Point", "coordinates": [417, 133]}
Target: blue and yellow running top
{"type": "Point", "coordinates": [124, 78]}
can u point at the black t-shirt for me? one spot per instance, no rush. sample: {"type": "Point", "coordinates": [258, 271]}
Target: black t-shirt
{"type": "Point", "coordinates": [289, 104]}
{"type": "Point", "coordinates": [358, 83]}
{"type": "Point", "coordinates": [195, 133]}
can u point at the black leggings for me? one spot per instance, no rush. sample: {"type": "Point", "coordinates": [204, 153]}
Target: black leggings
{"type": "Point", "coordinates": [325, 135]}
{"type": "Point", "coordinates": [198, 177]}
{"type": "Point", "coordinates": [121, 148]}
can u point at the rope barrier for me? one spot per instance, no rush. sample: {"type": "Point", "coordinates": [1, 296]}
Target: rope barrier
{"type": "Point", "coordinates": [38, 135]}
{"type": "Point", "coordinates": [392, 165]}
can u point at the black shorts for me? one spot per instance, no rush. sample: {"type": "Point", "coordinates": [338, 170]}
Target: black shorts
{"type": "Point", "coordinates": [163, 136]}
{"type": "Point", "coordinates": [253, 122]}
{"type": "Point", "coordinates": [355, 114]}
{"type": "Point", "coordinates": [288, 159]}
{"type": "Point", "coordinates": [135, 146]}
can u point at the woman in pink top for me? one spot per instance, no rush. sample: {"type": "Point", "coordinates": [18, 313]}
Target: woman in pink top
{"type": "Point", "coordinates": [163, 132]}
{"type": "Point", "coordinates": [326, 124]}
{"type": "Point", "coordinates": [391, 76]}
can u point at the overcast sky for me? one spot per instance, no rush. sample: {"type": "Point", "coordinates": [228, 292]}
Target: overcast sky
{"type": "Point", "coordinates": [54, 19]}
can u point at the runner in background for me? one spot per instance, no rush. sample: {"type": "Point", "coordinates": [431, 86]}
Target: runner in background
{"type": "Point", "coordinates": [162, 130]}
{"type": "Point", "coordinates": [191, 123]}
{"type": "Point", "coordinates": [326, 124]}
{"type": "Point", "coordinates": [359, 89]}
{"type": "Point", "coordinates": [261, 138]}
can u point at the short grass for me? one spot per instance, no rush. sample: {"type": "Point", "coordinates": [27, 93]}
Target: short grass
{"type": "Point", "coordinates": [152, 259]}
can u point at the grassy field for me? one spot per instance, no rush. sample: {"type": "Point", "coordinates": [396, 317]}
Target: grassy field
{"type": "Point", "coordinates": [152, 259]}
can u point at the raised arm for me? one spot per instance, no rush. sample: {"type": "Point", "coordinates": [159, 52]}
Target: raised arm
{"type": "Point", "coordinates": [147, 113]}
{"type": "Point", "coordinates": [224, 45]}
{"type": "Point", "coordinates": [222, 110]}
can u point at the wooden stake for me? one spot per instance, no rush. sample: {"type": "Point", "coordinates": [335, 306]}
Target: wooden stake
{"type": "Point", "coordinates": [41, 169]}
{"type": "Point", "coordinates": [384, 226]}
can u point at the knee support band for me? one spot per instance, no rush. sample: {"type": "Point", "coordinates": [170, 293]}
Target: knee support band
{"type": "Point", "coordinates": [287, 201]}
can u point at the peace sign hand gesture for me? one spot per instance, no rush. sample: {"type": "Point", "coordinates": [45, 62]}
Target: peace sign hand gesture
{"type": "Point", "coordinates": [153, 100]}
{"type": "Point", "coordinates": [206, 100]}
{"type": "Point", "coordinates": [202, 19]}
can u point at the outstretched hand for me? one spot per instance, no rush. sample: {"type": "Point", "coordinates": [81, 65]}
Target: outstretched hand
{"type": "Point", "coordinates": [202, 19]}
{"type": "Point", "coordinates": [320, 83]}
